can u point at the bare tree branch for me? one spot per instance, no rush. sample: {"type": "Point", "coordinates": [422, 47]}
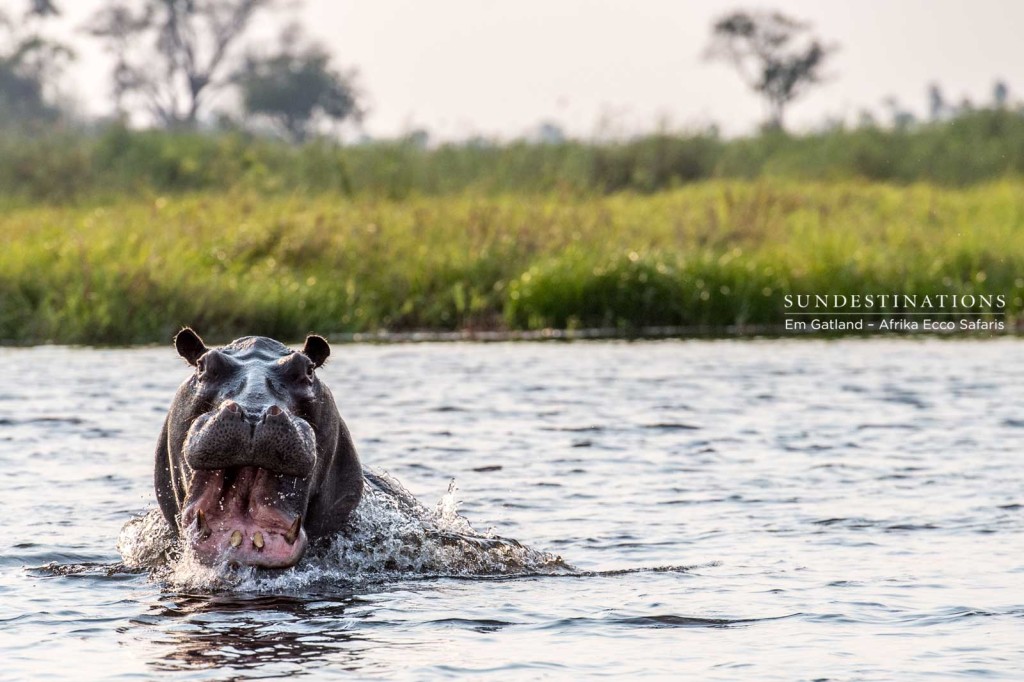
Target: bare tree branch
{"type": "Point", "coordinates": [178, 51]}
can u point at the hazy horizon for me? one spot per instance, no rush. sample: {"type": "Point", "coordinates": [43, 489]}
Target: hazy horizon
{"type": "Point", "coordinates": [460, 68]}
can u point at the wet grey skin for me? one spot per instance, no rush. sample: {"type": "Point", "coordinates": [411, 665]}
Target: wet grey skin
{"type": "Point", "coordinates": [254, 461]}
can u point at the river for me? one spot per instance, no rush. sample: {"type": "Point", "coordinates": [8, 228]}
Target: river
{"type": "Point", "coordinates": [763, 509]}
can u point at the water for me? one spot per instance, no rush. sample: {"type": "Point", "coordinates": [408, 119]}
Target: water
{"type": "Point", "coordinates": [772, 510]}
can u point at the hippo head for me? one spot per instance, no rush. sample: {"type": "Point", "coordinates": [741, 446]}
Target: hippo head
{"type": "Point", "coordinates": [254, 460]}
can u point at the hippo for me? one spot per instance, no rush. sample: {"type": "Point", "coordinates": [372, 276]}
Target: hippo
{"type": "Point", "coordinates": [254, 461]}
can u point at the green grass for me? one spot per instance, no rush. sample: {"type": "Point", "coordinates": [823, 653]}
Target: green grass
{"type": "Point", "coordinates": [69, 166]}
{"type": "Point", "coordinates": [706, 255]}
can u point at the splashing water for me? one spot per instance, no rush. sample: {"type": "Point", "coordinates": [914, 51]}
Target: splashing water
{"type": "Point", "coordinates": [391, 536]}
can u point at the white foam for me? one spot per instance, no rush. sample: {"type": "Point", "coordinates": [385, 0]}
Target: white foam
{"type": "Point", "coordinates": [391, 536]}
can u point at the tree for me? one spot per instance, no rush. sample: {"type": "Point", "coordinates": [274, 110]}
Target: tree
{"type": "Point", "coordinates": [43, 8]}
{"type": "Point", "coordinates": [549, 132]}
{"type": "Point", "coordinates": [773, 55]}
{"type": "Point", "coordinates": [1000, 94]}
{"type": "Point", "coordinates": [118, 27]}
{"type": "Point", "coordinates": [297, 88]}
{"type": "Point", "coordinates": [29, 66]}
{"type": "Point", "coordinates": [172, 55]}
{"type": "Point", "coordinates": [936, 102]}
{"type": "Point", "coordinates": [902, 119]}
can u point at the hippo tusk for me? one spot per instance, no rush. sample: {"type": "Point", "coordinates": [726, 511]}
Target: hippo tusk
{"type": "Point", "coordinates": [293, 532]}
{"type": "Point", "coordinates": [202, 526]}
{"type": "Point", "coordinates": [236, 538]}
{"type": "Point", "coordinates": [257, 540]}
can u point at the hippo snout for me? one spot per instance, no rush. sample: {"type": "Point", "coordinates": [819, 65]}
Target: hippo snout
{"type": "Point", "coordinates": [284, 443]}
{"type": "Point", "coordinates": [233, 436]}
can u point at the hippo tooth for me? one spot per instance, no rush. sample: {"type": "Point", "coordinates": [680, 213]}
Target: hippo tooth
{"type": "Point", "coordinates": [257, 540]}
{"type": "Point", "coordinates": [236, 538]}
{"type": "Point", "coordinates": [293, 532]}
{"type": "Point", "coordinates": [201, 525]}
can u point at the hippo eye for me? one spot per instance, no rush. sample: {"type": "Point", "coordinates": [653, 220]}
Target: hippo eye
{"type": "Point", "coordinates": [213, 368]}
{"type": "Point", "coordinates": [309, 373]}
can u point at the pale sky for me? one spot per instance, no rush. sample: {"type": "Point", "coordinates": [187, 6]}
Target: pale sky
{"type": "Point", "coordinates": [480, 67]}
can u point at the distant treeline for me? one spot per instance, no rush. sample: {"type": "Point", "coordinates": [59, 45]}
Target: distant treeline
{"type": "Point", "coordinates": [58, 166]}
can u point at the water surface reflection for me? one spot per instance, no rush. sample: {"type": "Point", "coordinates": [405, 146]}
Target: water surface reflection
{"type": "Point", "coordinates": [271, 634]}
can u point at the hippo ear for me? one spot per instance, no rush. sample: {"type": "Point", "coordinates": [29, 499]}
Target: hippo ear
{"type": "Point", "coordinates": [189, 345]}
{"type": "Point", "coordinates": [316, 349]}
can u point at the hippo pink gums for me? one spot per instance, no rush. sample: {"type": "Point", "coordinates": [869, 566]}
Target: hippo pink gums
{"type": "Point", "coordinates": [254, 460]}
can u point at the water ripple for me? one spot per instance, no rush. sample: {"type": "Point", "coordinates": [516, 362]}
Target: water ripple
{"type": "Point", "coordinates": [770, 510]}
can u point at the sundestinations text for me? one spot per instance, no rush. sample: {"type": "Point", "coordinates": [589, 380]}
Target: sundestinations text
{"type": "Point", "coordinates": [944, 302]}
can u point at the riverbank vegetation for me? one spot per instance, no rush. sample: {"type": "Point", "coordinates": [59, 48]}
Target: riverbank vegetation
{"type": "Point", "coordinates": [70, 166]}
{"type": "Point", "coordinates": [705, 256]}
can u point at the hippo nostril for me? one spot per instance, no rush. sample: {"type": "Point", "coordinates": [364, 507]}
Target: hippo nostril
{"type": "Point", "coordinates": [274, 410]}
{"type": "Point", "coordinates": [232, 406]}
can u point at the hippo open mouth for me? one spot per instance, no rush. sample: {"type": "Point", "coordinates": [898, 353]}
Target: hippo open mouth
{"type": "Point", "coordinates": [235, 515]}
{"type": "Point", "coordinates": [249, 485]}
{"type": "Point", "coordinates": [254, 460]}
